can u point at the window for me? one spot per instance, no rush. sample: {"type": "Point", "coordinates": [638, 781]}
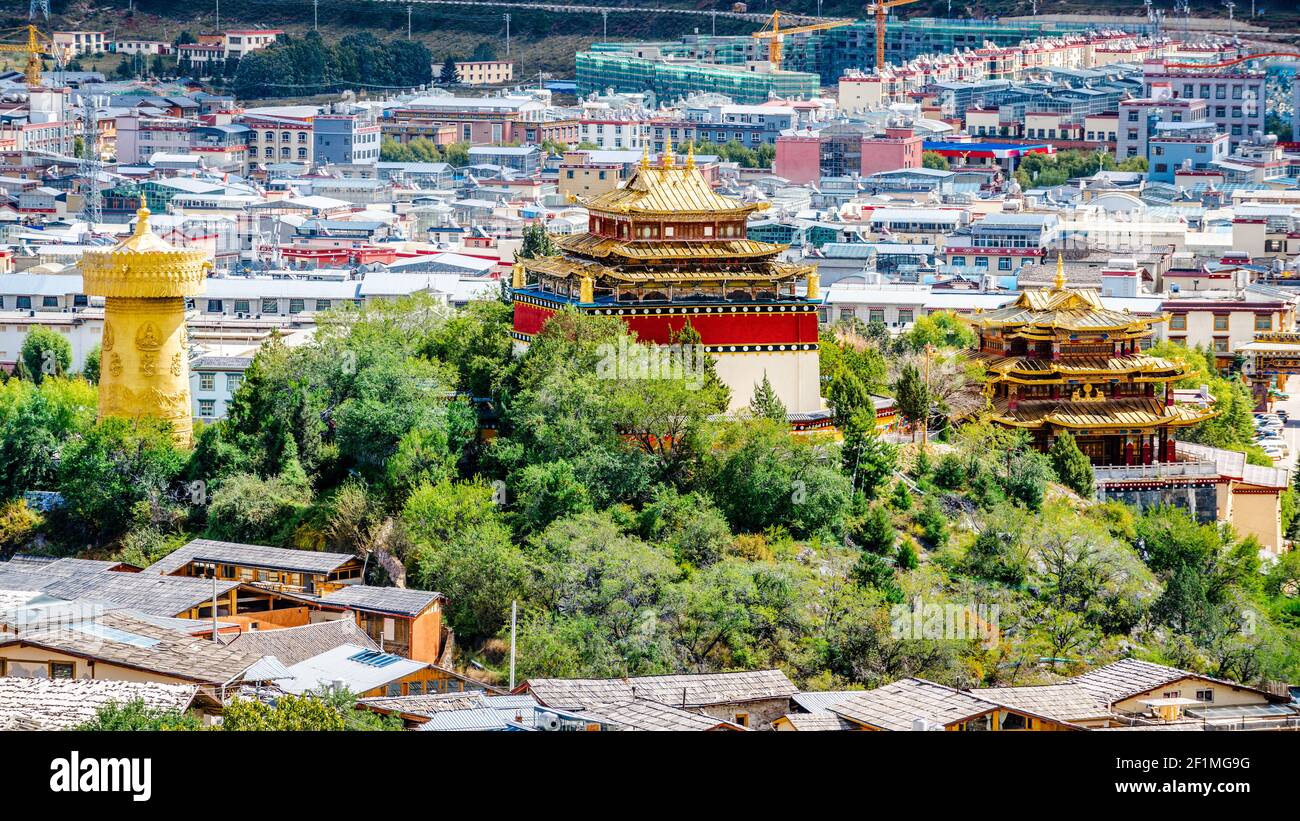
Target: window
{"type": "Point", "coordinates": [62, 669]}
{"type": "Point", "coordinates": [742, 719]}
{"type": "Point", "coordinates": [904, 316]}
{"type": "Point", "coordinates": [1178, 322]}
{"type": "Point", "coordinates": [322, 304]}
{"type": "Point", "coordinates": [296, 306]}
{"type": "Point", "coordinates": [1221, 344]}
{"type": "Point", "coordinates": [1263, 322]}
{"type": "Point", "coordinates": [1172, 694]}
{"type": "Point", "coordinates": [1205, 695]}
{"type": "Point", "coordinates": [24, 302]}
{"type": "Point", "coordinates": [1014, 721]}
{"type": "Point", "coordinates": [233, 381]}
{"type": "Point", "coordinates": [395, 689]}
{"type": "Point", "coordinates": [270, 305]}
{"type": "Point", "coordinates": [1220, 322]}
{"type": "Point", "coordinates": [207, 381]}
{"type": "Point", "coordinates": [415, 688]}
{"type": "Point", "coordinates": [1004, 263]}
{"type": "Point", "coordinates": [214, 306]}
{"type": "Point", "coordinates": [207, 408]}
{"type": "Point", "coordinates": [49, 302]}
{"type": "Point", "coordinates": [959, 261]}
{"type": "Point", "coordinates": [876, 315]}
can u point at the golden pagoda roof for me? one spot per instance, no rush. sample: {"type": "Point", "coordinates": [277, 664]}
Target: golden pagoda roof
{"type": "Point", "coordinates": [1130, 412]}
{"type": "Point", "coordinates": [1048, 309]}
{"type": "Point", "coordinates": [145, 266]}
{"type": "Point", "coordinates": [1059, 308]}
{"type": "Point", "coordinates": [567, 267]}
{"type": "Point", "coordinates": [668, 189]}
{"type": "Point", "coordinates": [595, 245]}
{"type": "Point", "coordinates": [1034, 370]}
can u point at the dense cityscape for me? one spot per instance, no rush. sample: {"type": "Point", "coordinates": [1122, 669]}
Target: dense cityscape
{"type": "Point", "coordinates": [823, 374]}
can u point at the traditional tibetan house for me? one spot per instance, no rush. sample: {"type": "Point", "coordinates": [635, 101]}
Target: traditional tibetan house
{"type": "Point", "coordinates": [665, 251]}
{"type": "Point", "coordinates": [1059, 361]}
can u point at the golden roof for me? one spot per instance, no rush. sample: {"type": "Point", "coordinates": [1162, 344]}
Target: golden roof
{"type": "Point", "coordinates": [1065, 309]}
{"type": "Point", "coordinates": [668, 189]}
{"type": "Point", "coordinates": [1032, 370]}
{"type": "Point", "coordinates": [565, 267]}
{"type": "Point", "coordinates": [144, 265]}
{"type": "Point", "coordinates": [1131, 412]}
{"type": "Point", "coordinates": [594, 245]}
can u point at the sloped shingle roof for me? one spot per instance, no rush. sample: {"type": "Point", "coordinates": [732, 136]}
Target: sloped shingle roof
{"type": "Point", "coordinates": [61, 704]}
{"type": "Point", "coordinates": [294, 644]}
{"type": "Point", "coordinates": [686, 690]}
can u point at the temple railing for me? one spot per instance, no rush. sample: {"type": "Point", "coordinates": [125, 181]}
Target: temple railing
{"type": "Point", "coordinates": [1105, 474]}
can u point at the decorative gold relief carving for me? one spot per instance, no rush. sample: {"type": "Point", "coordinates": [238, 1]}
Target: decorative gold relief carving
{"type": "Point", "coordinates": [115, 364]}
{"type": "Point", "coordinates": [147, 338]}
{"type": "Point", "coordinates": [149, 364]}
{"type": "Point", "coordinates": [107, 343]}
{"type": "Point", "coordinates": [177, 363]}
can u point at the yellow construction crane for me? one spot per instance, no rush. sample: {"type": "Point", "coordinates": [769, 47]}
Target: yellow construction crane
{"type": "Point", "coordinates": [33, 49]}
{"type": "Point", "coordinates": [881, 10]}
{"type": "Point", "coordinates": [773, 32]}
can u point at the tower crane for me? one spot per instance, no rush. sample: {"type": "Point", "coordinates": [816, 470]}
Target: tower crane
{"type": "Point", "coordinates": [774, 34]}
{"type": "Point", "coordinates": [33, 49]}
{"type": "Point", "coordinates": [880, 8]}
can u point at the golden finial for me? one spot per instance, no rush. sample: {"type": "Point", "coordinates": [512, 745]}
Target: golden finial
{"type": "Point", "coordinates": [668, 160]}
{"type": "Point", "coordinates": [690, 156]}
{"type": "Point", "coordinates": [142, 218]}
{"type": "Point", "coordinates": [645, 156]}
{"type": "Point", "coordinates": [1060, 271]}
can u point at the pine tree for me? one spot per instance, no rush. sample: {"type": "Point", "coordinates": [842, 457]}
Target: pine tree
{"type": "Point", "coordinates": [766, 404]}
{"type": "Point", "coordinates": [912, 395]}
{"type": "Point", "coordinates": [902, 497]}
{"type": "Point", "coordinates": [537, 243]}
{"type": "Point", "coordinates": [1072, 467]}
{"type": "Point", "coordinates": [875, 533]}
{"type": "Point", "coordinates": [449, 77]}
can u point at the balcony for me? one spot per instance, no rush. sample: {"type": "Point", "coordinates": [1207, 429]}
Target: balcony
{"type": "Point", "coordinates": [1163, 471]}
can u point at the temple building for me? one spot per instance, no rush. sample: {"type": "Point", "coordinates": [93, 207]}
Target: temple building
{"type": "Point", "coordinates": [665, 251]}
{"type": "Point", "coordinates": [1058, 361]}
{"type": "Point", "coordinates": [144, 367]}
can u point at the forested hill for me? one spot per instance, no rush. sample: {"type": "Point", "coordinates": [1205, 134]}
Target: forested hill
{"type": "Point", "coordinates": [540, 41]}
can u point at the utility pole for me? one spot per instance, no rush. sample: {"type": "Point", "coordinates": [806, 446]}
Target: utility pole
{"type": "Point", "coordinates": [713, 15]}
{"type": "Point", "coordinates": [214, 602]}
{"type": "Point", "coordinates": [408, 20]}
{"type": "Point", "coordinates": [604, 25]}
{"type": "Point", "coordinates": [507, 35]}
{"type": "Point", "coordinates": [315, 15]}
{"type": "Point", "coordinates": [925, 419]}
{"type": "Point", "coordinates": [218, 15]}
{"type": "Point", "coordinates": [514, 612]}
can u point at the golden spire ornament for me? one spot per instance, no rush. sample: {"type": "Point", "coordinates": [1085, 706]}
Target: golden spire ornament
{"type": "Point", "coordinates": [668, 160]}
{"type": "Point", "coordinates": [1060, 272]}
{"type": "Point", "coordinates": [145, 366]}
{"type": "Point", "coordinates": [690, 156]}
{"type": "Point", "coordinates": [645, 156]}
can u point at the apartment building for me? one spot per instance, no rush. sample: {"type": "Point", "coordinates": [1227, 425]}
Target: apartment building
{"type": "Point", "coordinates": [345, 139]}
{"type": "Point", "coordinates": [76, 43]}
{"type": "Point", "coordinates": [1235, 101]}
{"type": "Point", "coordinates": [279, 139]}
{"type": "Point", "coordinates": [485, 72]}
{"type": "Point", "coordinates": [1138, 119]}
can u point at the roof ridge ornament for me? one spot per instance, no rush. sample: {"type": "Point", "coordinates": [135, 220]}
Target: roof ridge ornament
{"type": "Point", "coordinates": [667, 159]}
{"type": "Point", "coordinates": [690, 156]}
{"type": "Point", "coordinates": [1059, 284]}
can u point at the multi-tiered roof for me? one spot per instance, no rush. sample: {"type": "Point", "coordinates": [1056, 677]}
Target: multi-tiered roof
{"type": "Point", "coordinates": [1057, 357]}
{"type": "Point", "coordinates": [666, 235]}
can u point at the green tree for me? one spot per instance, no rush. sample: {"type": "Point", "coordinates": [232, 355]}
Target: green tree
{"type": "Point", "coordinates": [875, 533]}
{"type": "Point", "coordinates": [867, 458]}
{"type": "Point", "coordinates": [765, 404]}
{"type": "Point", "coordinates": [45, 352]}
{"type": "Point", "coordinates": [548, 492]}
{"type": "Point", "coordinates": [114, 465]}
{"type": "Point", "coordinates": [912, 396]}
{"type": "Point", "coordinates": [91, 368]}
{"type": "Point", "coordinates": [536, 243]}
{"type": "Point", "coordinates": [135, 715]}
{"type": "Point", "coordinates": [449, 77]}
{"type": "Point", "coordinates": [935, 160]}
{"type": "Point", "coordinates": [1072, 467]}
